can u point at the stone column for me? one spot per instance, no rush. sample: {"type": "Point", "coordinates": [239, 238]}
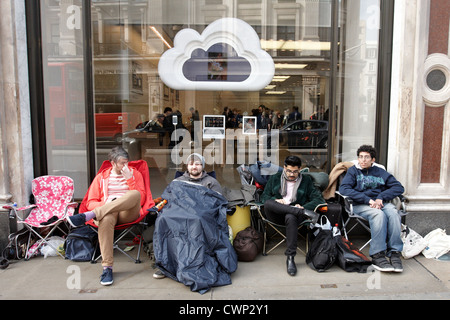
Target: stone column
{"type": "Point", "coordinates": [16, 167]}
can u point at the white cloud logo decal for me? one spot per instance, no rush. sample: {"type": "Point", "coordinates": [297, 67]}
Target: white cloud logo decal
{"type": "Point", "coordinates": [226, 56]}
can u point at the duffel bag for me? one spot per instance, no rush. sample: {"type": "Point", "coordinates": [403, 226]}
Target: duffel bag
{"type": "Point", "coordinates": [248, 243]}
{"type": "Point", "coordinates": [80, 244]}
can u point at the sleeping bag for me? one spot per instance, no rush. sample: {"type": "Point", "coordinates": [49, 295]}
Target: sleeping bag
{"type": "Point", "coordinates": [191, 242]}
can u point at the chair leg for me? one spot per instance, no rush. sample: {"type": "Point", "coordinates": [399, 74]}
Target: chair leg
{"type": "Point", "coordinates": [44, 240]}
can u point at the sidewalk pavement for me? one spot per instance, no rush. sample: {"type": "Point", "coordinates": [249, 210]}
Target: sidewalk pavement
{"type": "Point", "coordinates": [263, 279]}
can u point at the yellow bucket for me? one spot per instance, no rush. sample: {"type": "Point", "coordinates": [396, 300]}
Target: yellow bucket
{"type": "Point", "coordinates": [239, 220]}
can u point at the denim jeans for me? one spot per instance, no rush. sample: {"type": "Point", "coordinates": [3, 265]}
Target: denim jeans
{"type": "Point", "coordinates": [385, 227]}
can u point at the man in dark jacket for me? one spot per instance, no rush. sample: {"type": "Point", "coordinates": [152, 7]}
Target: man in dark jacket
{"type": "Point", "coordinates": [289, 198]}
{"type": "Point", "coordinates": [371, 188]}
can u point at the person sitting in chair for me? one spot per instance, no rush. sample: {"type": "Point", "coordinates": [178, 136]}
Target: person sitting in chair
{"type": "Point", "coordinates": [371, 187]}
{"type": "Point", "coordinates": [115, 197]}
{"type": "Point", "coordinates": [195, 164]}
{"type": "Point", "coordinates": [195, 174]}
{"type": "Point", "coordinates": [289, 198]}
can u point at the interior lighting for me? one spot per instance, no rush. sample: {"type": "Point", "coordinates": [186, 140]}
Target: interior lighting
{"type": "Point", "coordinates": [299, 45]}
{"type": "Point", "coordinates": [160, 37]}
{"type": "Point", "coordinates": [290, 66]}
{"type": "Point", "coordinates": [275, 92]}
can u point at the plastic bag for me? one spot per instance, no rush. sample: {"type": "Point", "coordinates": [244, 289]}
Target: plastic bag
{"type": "Point", "coordinates": [438, 244]}
{"type": "Point", "coordinates": [47, 250]}
{"type": "Point", "coordinates": [413, 243]}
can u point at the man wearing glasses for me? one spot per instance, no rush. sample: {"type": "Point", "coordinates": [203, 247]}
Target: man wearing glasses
{"type": "Point", "coordinates": [371, 188]}
{"type": "Point", "coordinates": [289, 198]}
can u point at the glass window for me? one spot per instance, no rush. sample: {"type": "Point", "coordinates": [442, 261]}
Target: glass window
{"type": "Point", "coordinates": [133, 107]}
{"type": "Point", "coordinates": [358, 53]}
{"type": "Point", "coordinates": [63, 68]}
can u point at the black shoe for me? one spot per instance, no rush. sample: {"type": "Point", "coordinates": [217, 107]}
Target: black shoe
{"type": "Point", "coordinates": [77, 220]}
{"type": "Point", "coordinates": [291, 267]}
{"type": "Point", "coordinates": [312, 215]}
{"type": "Point", "coordinates": [381, 263]}
{"type": "Point", "coordinates": [396, 261]}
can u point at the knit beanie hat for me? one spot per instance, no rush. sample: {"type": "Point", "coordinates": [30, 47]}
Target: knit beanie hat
{"type": "Point", "coordinates": [196, 156]}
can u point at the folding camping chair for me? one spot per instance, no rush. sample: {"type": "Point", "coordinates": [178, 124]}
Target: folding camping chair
{"type": "Point", "coordinates": [134, 228]}
{"type": "Point", "coordinates": [351, 216]}
{"type": "Point", "coordinates": [347, 204]}
{"type": "Point", "coordinates": [266, 225]}
{"type": "Point", "coordinates": [259, 174]}
{"type": "Point", "coordinates": [53, 197]}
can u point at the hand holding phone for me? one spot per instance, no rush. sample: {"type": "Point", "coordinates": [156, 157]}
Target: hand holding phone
{"type": "Point", "coordinates": [126, 172]}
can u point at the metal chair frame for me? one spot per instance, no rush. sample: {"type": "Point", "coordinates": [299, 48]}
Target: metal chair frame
{"type": "Point", "coordinates": [266, 223]}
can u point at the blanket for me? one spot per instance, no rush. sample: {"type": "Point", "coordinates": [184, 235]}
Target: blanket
{"type": "Point", "coordinates": [191, 241]}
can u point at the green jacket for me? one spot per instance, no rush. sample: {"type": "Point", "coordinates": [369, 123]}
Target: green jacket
{"type": "Point", "coordinates": [308, 196]}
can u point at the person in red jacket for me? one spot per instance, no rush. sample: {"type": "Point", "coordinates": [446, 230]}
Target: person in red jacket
{"type": "Point", "coordinates": [115, 197]}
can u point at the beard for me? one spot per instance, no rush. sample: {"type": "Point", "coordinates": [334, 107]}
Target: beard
{"type": "Point", "coordinates": [195, 173]}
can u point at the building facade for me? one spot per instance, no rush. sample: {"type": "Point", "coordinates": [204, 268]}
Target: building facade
{"type": "Point", "coordinates": [79, 77]}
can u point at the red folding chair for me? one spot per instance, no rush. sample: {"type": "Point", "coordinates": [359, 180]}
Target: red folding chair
{"type": "Point", "coordinates": [127, 228]}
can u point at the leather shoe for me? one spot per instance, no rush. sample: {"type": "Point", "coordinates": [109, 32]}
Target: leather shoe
{"type": "Point", "coordinates": [312, 215]}
{"type": "Point", "coordinates": [291, 267]}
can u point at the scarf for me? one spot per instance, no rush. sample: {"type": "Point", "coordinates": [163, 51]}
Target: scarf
{"type": "Point", "coordinates": [283, 187]}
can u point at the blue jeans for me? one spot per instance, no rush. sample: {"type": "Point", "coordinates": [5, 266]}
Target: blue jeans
{"type": "Point", "coordinates": [385, 227]}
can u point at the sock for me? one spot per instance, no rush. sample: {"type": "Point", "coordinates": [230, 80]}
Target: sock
{"type": "Point", "coordinates": [89, 215]}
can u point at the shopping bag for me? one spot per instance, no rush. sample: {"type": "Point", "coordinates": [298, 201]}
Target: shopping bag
{"type": "Point", "coordinates": [413, 243]}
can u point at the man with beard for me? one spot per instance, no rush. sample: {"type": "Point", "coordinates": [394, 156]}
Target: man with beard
{"type": "Point", "coordinates": [289, 198]}
{"type": "Point", "coordinates": [195, 173]}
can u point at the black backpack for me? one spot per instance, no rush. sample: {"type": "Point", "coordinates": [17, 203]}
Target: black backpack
{"type": "Point", "coordinates": [80, 244]}
{"type": "Point", "coordinates": [322, 252]}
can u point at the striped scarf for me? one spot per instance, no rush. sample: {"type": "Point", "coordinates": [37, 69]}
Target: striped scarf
{"type": "Point", "coordinates": [283, 187]}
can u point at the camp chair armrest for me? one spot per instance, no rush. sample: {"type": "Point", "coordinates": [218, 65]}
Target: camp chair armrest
{"type": "Point", "coordinates": [13, 210]}
{"type": "Point", "coordinates": [348, 203]}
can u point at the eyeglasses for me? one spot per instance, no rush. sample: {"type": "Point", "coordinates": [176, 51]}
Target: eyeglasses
{"type": "Point", "coordinates": [292, 172]}
{"type": "Point", "coordinates": [365, 157]}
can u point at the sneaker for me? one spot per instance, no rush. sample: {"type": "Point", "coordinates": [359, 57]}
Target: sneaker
{"type": "Point", "coordinates": [381, 263]}
{"type": "Point", "coordinates": [77, 220]}
{"type": "Point", "coordinates": [106, 278]}
{"type": "Point", "coordinates": [396, 261]}
{"type": "Point", "coordinates": [159, 275]}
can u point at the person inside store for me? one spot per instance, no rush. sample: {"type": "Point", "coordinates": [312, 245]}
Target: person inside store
{"type": "Point", "coordinates": [371, 188]}
{"type": "Point", "coordinates": [290, 198]}
{"type": "Point", "coordinates": [196, 174]}
{"type": "Point", "coordinates": [115, 196]}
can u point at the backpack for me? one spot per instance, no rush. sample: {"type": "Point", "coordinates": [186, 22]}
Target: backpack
{"type": "Point", "coordinates": [322, 251]}
{"type": "Point", "coordinates": [248, 244]}
{"type": "Point", "coordinates": [17, 244]}
{"type": "Point", "coordinates": [334, 213]}
{"type": "Point", "coordinates": [80, 244]}
{"type": "Point", "coordinates": [350, 258]}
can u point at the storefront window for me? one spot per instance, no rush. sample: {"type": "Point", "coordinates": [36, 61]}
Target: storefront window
{"type": "Point", "coordinates": [63, 73]}
{"type": "Point", "coordinates": [136, 107]}
{"type": "Point", "coordinates": [358, 66]}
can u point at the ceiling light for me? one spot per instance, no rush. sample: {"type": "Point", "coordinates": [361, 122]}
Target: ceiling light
{"type": "Point", "coordinates": [160, 36]}
{"type": "Point", "coordinates": [290, 66]}
{"type": "Point", "coordinates": [280, 78]}
{"type": "Point", "coordinates": [275, 92]}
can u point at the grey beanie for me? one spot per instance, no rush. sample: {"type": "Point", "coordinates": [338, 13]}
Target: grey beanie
{"type": "Point", "coordinates": [196, 155]}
